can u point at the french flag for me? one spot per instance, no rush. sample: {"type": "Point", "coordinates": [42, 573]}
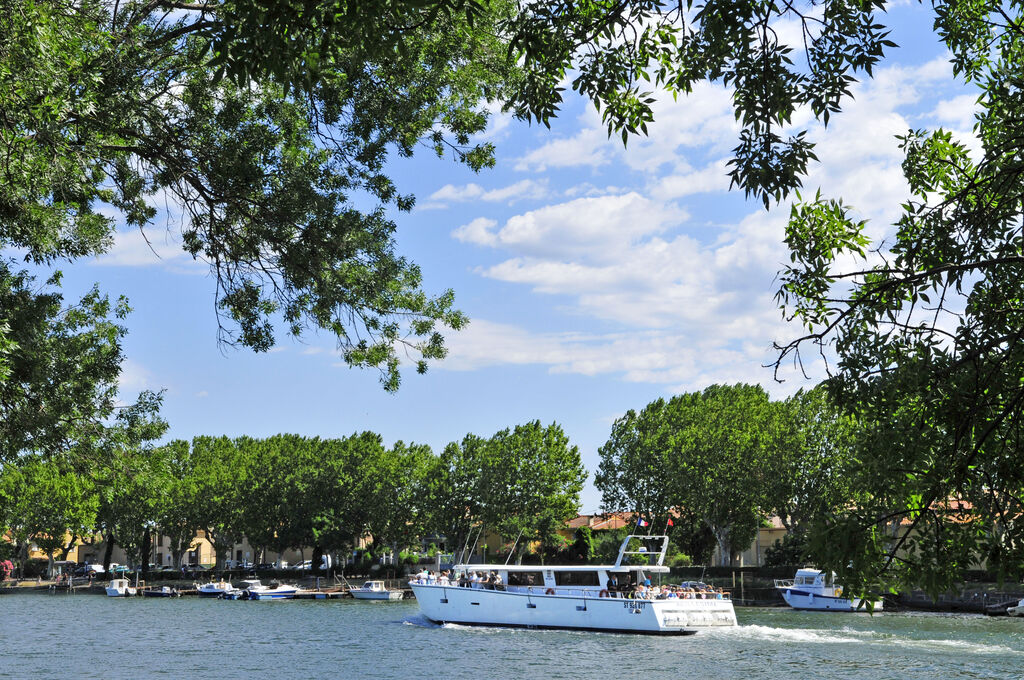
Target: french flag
{"type": "Point", "coordinates": [641, 522]}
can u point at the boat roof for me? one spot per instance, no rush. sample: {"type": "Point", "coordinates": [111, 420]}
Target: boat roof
{"type": "Point", "coordinates": [650, 556]}
{"type": "Point", "coordinates": [653, 568]}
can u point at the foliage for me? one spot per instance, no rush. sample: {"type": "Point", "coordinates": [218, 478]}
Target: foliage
{"type": "Point", "coordinates": [812, 464]}
{"type": "Point", "coordinates": [703, 453]}
{"type": "Point", "coordinates": [62, 364]}
{"type": "Point", "coordinates": [926, 329]}
{"type": "Point", "coordinates": [791, 550]}
{"type": "Point", "coordinates": [617, 53]}
{"type": "Point", "coordinates": [267, 125]}
{"type": "Point", "coordinates": [132, 476]}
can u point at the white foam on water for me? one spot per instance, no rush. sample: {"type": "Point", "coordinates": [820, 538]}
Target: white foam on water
{"type": "Point", "coordinates": [961, 646]}
{"type": "Point", "coordinates": [801, 635]}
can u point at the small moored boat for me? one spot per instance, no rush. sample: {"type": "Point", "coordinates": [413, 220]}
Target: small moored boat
{"type": "Point", "coordinates": [375, 590]}
{"type": "Point", "coordinates": [1016, 610]}
{"type": "Point", "coordinates": [216, 589]}
{"type": "Point", "coordinates": [812, 589]}
{"type": "Point", "coordinates": [162, 591]}
{"type": "Point", "coordinates": [278, 591]}
{"type": "Point", "coordinates": [119, 587]}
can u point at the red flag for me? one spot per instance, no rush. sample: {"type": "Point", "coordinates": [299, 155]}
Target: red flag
{"type": "Point", "coordinates": [670, 522]}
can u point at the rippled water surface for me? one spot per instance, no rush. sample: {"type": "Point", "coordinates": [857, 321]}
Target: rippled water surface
{"type": "Point", "coordinates": [91, 636]}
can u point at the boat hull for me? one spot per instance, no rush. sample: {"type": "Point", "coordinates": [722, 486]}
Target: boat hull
{"type": "Point", "coordinates": [799, 599]}
{"type": "Point", "coordinates": [480, 607]}
{"type": "Point", "coordinates": [376, 595]}
{"type": "Point", "coordinates": [114, 592]}
{"type": "Point", "coordinates": [160, 593]}
{"type": "Point", "coordinates": [282, 594]}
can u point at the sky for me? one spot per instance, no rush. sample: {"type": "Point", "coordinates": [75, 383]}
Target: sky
{"type": "Point", "coordinates": [597, 278]}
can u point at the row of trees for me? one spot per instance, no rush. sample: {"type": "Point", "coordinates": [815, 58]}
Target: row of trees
{"type": "Point", "coordinates": [289, 491]}
{"type": "Point", "coordinates": [721, 461]}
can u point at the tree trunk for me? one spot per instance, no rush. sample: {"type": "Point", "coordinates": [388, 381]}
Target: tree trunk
{"type": "Point", "coordinates": [724, 548]}
{"type": "Point", "coordinates": [108, 549]}
{"type": "Point", "coordinates": [318, 557]}
{"type": "Point", "coordinates": [144, 551]}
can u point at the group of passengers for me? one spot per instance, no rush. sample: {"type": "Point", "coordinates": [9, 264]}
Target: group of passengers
{"type": "Point", "coordinates": [475, 579]}
{"type": "Point", "coordinates": [690, 592]}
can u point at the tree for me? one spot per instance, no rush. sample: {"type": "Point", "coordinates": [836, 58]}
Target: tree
{"type": "Point", "coordinates": [396, 479]}
{"type": "Point", "coordinates": [59, 506]}
{"type": "Point", "coordinates": [702, 454]}
{"type": "Point", "coordinates": [532, 479]}
{"type": "Point", "coordinates": [268, 126]}
{"type": "Point", "coordinates": [635, 462]}
{"type": "Point", "coordinates": [927, 334]}
{"type": "Point", "coordinates": [132, 477]}
{"type": "Point", "coordinates": [812, 465]}
{"type": "Point", "coordinates": [179, 514]}
{"type": "Point", "coordinates": [61, 366]}
{"type": "Point", "coordinates": [221, 468]}
{"type": "Point", "coordinates": [453, 495]}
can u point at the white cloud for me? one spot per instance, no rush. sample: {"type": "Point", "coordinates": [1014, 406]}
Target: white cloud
{"type": "Point", "coordinates": [712, 178]}
{"type": "Point", "coordinates": [202, 394]}
{"type": "Point", "coordinates": [478, 231]}
{"type": "Point", "coordinates": [135, 248]}
{"type": "Point", "coordinates": [600, 227]}
{"type": "Point", "coordinates": [958, 111]}
{"type": "Point", "coordinates": [133, 379]}
{"type": "Point", "coordinates": [694, 299]}
{"type": "Point", "coordinates": [450, 192]}
{"type": "Point", "coordinates": [523, 189]}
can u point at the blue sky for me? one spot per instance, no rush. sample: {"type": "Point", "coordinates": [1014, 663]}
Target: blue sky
{"type": "Point", "coordinates": [597, 278]}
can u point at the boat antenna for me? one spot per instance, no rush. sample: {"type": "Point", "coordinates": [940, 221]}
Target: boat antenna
{"type": "Point", "coordinates": [512, 549]}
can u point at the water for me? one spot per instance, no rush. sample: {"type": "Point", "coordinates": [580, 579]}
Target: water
{"type": "Point", "coordinates": [91, 636]}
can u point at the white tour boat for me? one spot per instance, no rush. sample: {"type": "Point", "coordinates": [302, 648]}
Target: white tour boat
{"type": "Point", "coordinates": [375, 590]}
{"type": "Point", "coordinates": [215, 589]}
{"type": "Point", "coordinates": [813, 589]}
{"type": "Point", "coordinates": [612, 598]}
{"type": "Point", "coordinates": [119, 587]}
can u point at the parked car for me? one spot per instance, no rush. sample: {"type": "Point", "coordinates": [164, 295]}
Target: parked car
{"type": "Point", "coordinates": [303, 566]}
{"type": "Point", "coordinates": [118, 569]}
{"type": "Point", "coordinates": [89, 570]}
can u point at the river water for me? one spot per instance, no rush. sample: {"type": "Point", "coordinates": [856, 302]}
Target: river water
{"type": "Point", "coordinates": [91, 636]}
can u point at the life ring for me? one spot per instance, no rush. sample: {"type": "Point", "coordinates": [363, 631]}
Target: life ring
{"type": "Point", "coordinates": [549, 591]}
{"type": "Point", "coordinates": [603, 593]}
{"type": "Point", "coordinates": [839, 591]}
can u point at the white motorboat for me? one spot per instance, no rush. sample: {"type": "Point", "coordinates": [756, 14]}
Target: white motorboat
{"type": "Point", "coordinates": [278, 591]}
{"type": "Point", "coordinates": [1017, 610]}
{"type": "Point", "coordinates": [216, 589]}
{"type": "Point", "coordinates": [612, 598]}
{"type": "Point", "coordinates": [814, 590]}
{"type": "Point", "coordinates": [119, 587]}
{"type": "Point", "coordinates": [375, 590]}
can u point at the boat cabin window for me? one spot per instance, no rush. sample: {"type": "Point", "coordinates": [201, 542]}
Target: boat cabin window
{"type": "Point", "coordinates": [525, 578]}
{"type": "Point", "coordinates": [576, 578]}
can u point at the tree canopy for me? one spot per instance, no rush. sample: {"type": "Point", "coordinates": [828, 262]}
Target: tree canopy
{"type": "Point", "coordinates": [268, 126]}
{"type": "Point", "coordinates": [926, 332]}
{"type": "Point", "coordinates": [706, 456]}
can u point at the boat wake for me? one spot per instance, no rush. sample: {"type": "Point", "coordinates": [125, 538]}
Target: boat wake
{"type": "Point", "coordinates": [962, 647]}
{"type": "Point", "coordinates": [800, 635]}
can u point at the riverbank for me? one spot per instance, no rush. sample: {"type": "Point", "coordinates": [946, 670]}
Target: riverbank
{"type": "Point", "coordinates": [748, 590]}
